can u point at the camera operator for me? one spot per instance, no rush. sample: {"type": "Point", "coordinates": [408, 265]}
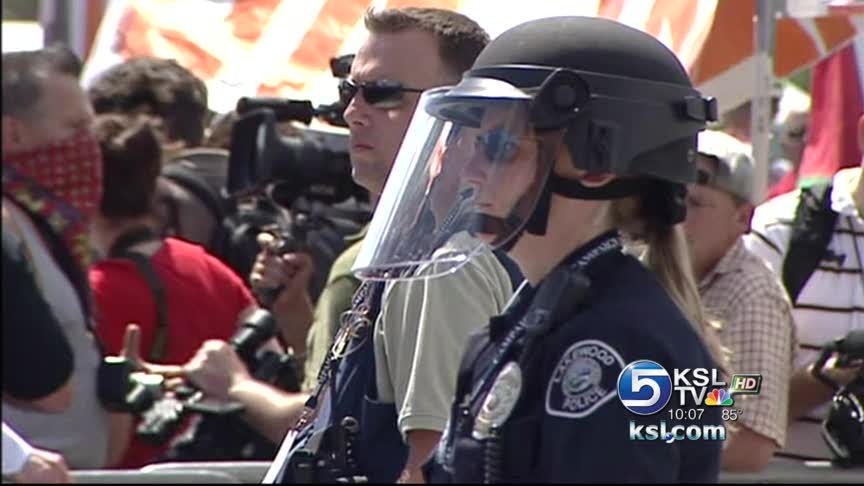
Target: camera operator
{"type": "Point", "coordinates": [189, 199]}
{"type": "Point", "coordinates": [814, 239]}
{"type": "Point", "coordinates": [178, 294]}
{"type": "Point", "coordinates": [422, 327]}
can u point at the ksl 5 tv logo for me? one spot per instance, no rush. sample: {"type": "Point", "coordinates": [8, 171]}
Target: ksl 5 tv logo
{"type": "Point", "coordinates": [645, 387]}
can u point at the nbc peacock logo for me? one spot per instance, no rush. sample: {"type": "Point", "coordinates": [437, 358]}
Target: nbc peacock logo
{"type": "Point", "coordinates": [719, 398]}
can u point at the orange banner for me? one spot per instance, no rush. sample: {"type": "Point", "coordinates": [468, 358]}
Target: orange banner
{"type": "Point", "coordinates": [283, 47]}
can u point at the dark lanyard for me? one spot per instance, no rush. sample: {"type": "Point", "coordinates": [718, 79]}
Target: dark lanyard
{"type": "Point", "coordinates": [536, 317]}
{"type": "Point", "coordinates": [362, 306]}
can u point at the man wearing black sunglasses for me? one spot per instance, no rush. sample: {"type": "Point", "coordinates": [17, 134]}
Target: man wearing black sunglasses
{"type": "Point", "coordinates": [389, 72]}
{"type": "Point", "coordinates": [396, 382]}
{"type": "Point", "coordinates": [393, 365]}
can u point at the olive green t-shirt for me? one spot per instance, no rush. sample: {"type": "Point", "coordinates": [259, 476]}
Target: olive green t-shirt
{"type": "Point", "coordinates": [333, 301]}
{"type": "Point", "coordinates": [422, 330]}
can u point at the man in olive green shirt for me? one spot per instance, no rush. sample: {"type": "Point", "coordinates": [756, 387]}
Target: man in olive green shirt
{"type": "Point", "coordinates": [423, 325]}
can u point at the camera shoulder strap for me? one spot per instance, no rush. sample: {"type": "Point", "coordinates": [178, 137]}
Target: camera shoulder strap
{"type": "Point", "coordinates": [811, 234]}
{"type": "Point", "coordinates": [122, 248]}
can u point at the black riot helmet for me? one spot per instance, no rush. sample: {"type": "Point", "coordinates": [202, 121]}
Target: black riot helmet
{"type": "Point", "coordinates": [615, 98]}
{"type": "Point", "coordinates": [625, 100]}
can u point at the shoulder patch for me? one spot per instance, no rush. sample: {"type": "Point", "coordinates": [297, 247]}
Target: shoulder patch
{"type": "Point", "coordinates": [584, 379]}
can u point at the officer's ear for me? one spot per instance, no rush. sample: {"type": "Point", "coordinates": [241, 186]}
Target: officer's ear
{"type": "Point", "coordinates": [565, 168]}
{"type": "Point", "coordinates": [596, 180]}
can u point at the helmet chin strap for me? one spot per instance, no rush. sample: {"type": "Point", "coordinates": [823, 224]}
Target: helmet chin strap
{"type": "Point", "coordinates": [663, 203]}
{"type": "Point", "coordinates": [573, 189]}
{"type": "Point", "coordinates": [538, 222]}
{"type": "Point", "coordinates": [493, 225]}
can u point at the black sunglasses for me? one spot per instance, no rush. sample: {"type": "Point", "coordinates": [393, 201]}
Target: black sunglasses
{"type": "Point", "coordinates": [380, 94]}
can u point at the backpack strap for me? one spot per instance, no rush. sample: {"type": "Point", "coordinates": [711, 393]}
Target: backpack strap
{"type": "Point", "coordinates": [122, 248]}
{"type": "Point", "coordinates": [194, 183]}
{"type": "Point", "coordinates": [812, 230]}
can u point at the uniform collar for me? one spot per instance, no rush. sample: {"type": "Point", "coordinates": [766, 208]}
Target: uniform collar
{"type": "Point", "coordinates": [588, 258]}
{"type": "Point", "coordinates": [591, 254]}
{"type": "Point", "coordinates": [513, 311]}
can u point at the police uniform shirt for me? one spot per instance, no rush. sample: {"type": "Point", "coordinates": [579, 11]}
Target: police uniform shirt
{"type": "Point", "coordinates": [558, 434]}
{"type": "Point", "coordinates": [403, 378]}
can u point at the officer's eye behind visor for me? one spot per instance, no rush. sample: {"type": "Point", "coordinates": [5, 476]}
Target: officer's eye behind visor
{"type": "Point", "coordinates": [499, 145]}
{"type": "Point", "coordinates": [380, 94]}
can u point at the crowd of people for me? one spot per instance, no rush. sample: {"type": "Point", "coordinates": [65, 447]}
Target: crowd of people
{"type": "Point", "coordinates": [551, 216]}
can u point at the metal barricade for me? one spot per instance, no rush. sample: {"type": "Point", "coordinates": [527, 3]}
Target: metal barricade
{"type": "Point", "coordinates": [251, 472]}
{"type": "Point", "coordinates": [127, 476]}
{"type": "Point", "coordinates": [244, 471]}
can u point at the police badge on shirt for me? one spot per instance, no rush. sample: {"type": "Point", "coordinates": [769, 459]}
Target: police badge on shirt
{"type": "Point", "coordinates": [585, 378]}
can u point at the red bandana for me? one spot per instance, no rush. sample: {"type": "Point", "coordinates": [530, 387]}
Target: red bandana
{"type": "Point", "coordinates": [62, 183]}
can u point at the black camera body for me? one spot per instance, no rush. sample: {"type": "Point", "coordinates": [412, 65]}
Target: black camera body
{"type": "Point", "coordinates": [305, 165]}
{"type": "Point", "coordinates": [314, 164]}
{"type": "Point", "coordinates": [123, 389]}
{"type": "Point", "coordinates": [307, 176]}
{"type": "Point", "coordinates": [843, 427]}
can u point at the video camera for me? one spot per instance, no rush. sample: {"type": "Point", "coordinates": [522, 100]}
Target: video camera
{"type": "Point", "coordinates": [843, 428]}
{"type": "Point", "coordinates": [163, 412]}
{"type": "Point", "coordinates": [300, 166]}
{"type": "Point", "coordinates": [301, 184]}
{"type": "Point", "coordinates": [303, 110]}
{"type": "Point", "coordinates": [304, 166]}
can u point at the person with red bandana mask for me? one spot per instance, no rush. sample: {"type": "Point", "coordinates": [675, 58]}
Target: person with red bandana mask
{"type": "Point", "coordinates": [52, 186]}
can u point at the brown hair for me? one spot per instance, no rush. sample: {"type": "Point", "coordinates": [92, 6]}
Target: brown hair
{"type": "Point", "coordinates": [460, 39]}
{"type": "Point", "coordinates": [131, 162]}
{"type": "Point", "coordinates": [158, 87]}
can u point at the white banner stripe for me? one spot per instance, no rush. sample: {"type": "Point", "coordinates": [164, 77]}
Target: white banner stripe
{"type": "Point", "coordinates": [809, 27]}
{"type": "Point", "coordinates": [698, 32]}
{"type": "Point", "coordinates": [636, 14]}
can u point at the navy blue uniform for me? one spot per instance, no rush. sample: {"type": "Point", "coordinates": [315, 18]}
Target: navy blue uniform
{"type": "Point", "coordinates": [324, 450]}
{"type": "Point", "coordinates": [567, 424]}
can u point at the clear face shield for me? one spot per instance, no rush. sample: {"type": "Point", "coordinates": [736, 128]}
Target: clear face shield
{"type": "Point", "coordinates": [468, 176]}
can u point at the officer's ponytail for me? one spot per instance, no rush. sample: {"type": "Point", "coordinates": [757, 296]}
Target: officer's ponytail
{"type": "Point", "coordinates": [664, 251]}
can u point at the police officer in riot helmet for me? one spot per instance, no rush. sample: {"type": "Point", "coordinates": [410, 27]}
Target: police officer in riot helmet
{"type": "Point", "coordinates": [572, 132]}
